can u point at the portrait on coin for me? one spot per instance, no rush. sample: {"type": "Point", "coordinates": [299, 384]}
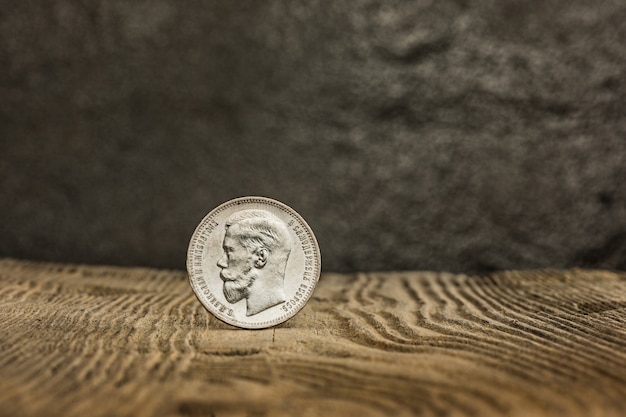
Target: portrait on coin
{"type": "Point", "coordinates": [256, 248]}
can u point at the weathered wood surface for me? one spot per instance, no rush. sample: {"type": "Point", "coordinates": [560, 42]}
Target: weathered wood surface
{"type": "Point", "coordinates": [103, 341]}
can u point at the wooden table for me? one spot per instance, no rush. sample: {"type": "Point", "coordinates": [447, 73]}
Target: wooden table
{"type": "Point", "coordinates": [109, 341]}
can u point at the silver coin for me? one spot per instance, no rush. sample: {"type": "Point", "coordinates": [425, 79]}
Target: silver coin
{"type": "Point", "coordinates": [253, 262]}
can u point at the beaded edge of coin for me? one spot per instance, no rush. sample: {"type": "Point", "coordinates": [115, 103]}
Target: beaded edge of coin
{"type": "Point", "coordinates": [217, 304]}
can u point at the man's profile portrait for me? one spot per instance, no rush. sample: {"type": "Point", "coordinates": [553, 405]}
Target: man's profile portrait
{"type": "Point", "coordinates": [256, 249]}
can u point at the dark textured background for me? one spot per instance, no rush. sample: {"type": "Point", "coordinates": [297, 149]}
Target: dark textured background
{"type": "Point", "coordinates": [448, 135]}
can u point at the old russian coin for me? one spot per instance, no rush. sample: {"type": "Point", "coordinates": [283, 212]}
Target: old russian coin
{"type": "Point", "coordinates": [253, 262]}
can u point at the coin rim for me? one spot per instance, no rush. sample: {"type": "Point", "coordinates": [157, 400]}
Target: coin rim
{"type": "Point", "coordinates": [282, 318]}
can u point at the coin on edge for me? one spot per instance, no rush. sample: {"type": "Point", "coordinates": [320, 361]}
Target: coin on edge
{"type": "Point", "coordinates": [253, 262]}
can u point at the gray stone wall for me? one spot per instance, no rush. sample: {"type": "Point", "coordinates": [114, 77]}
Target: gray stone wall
{"type": "Point", "coordinates": [444, 135]}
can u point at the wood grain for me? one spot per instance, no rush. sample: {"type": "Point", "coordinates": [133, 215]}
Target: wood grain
{"type": "Point", "coordinates": [104, 341]}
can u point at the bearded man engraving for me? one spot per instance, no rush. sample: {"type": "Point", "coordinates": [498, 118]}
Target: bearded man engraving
{"type": "Point", "coordinates": [256, 248]}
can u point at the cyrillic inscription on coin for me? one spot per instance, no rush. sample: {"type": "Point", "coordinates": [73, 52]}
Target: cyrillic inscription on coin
{"type": "Point", "coordinates": [253, 262]}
